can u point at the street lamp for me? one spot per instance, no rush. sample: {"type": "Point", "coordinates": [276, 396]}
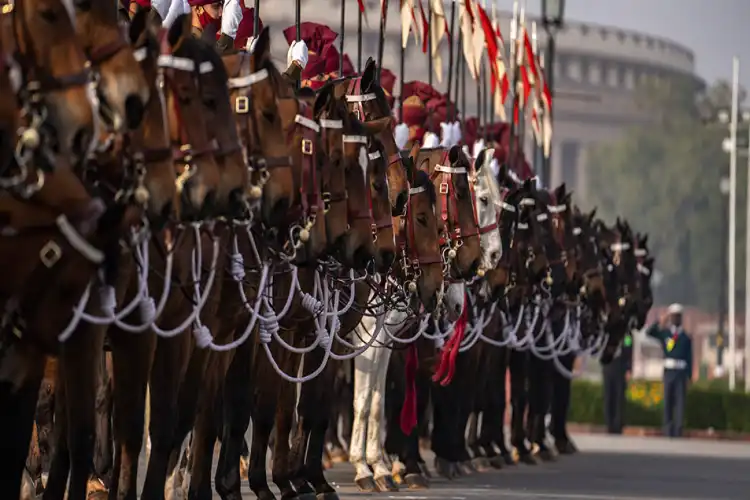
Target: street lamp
{"type": "Point", "coordinates": [553, 12]}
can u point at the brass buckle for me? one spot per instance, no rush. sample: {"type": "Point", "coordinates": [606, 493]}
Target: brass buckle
{"type": "Point", "coordinates": [186, 150]}
{"type": "Point", "coordinates": [50, 254]}
{"type": "Point", "coordinates": [443, 188]}
{"type": "Point", "coordinates": [242, 105]}
{"type": "Point", "coordinates": [357, 114]}
{"type": "Point", "coordinates": [326, 197]}
{"type": "Point", "coordinates": [307, 147]}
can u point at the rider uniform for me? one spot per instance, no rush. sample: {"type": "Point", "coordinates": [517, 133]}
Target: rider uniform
{"type": "Point", "coordinates": [678, 367]}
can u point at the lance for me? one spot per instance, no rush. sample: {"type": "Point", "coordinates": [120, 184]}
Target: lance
{"type": "Point", "coordinates": [401, 72]}
{"type": "Point", "coordinates": [454, 112]}
{"type": "Point", "coordinates": [463, 96]}
{"type": "Point", "coordinates": [341, 41]}
{"type": "Point", "coordinates": [256, 19]}
{"type": "Point", "coordinates": [459, 63]}
{"type": "Point", "coordinates": [514, 27]}
{"type": "Point", "coordinates": [429, 42]}
{"type": "Point", "coordinates": [381, 46]}
{"type": "Point", "coordinates": [359, 40]}
{"type": "Point", "coordinates": [298, 35]}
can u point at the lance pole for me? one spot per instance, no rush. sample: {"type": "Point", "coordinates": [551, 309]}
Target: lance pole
{"type": "Point", "coordinates": [381, 46]}
{"type": "Point", "coordinates": [429, 42]}
{"type": "Point", "coordinates": [256, 19]}
{"type": "Point", "coordinates": [514, 86]}
{"type": "Point", "coordinates": [454, 111]}
{"type": "Point", "coordinates": [459, 64]}
{"type": "Point", "coordinates": [298, 34]}
{"type": "Point", "coordinates": [341, 40]}
{"type": "Point", "coordinates": [359, 41]}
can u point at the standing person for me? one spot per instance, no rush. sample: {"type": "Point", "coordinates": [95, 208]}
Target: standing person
{"type": "Point", "coordinates": [678, 366]}
{"type": "Point", "coordinates": [616, 375]}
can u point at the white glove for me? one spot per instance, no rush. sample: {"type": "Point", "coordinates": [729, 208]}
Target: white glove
{"type": "Point", "coordinates": [401, 135]}
{"type": "Point", "coordinates": [478, 147]}
{"type": "Point", "coordinates": [446, 134]}
{"type": "Point", "coordinates": [297, 53]}
{"type": "Point", "coordinates": [430, 141]}
{"type": "Point", "coordinates": [456, 136]}
{"type": "Point", "coordinates": [250, 45]}
{"type": "Point", "coordinates": [465, 149]}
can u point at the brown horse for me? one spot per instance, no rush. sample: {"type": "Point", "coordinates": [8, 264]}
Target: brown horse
{"type": "Point", "coordinates": [366, 99]}
{"type": "Point", "coordinates": [55, 75]}
{"type": "Point", "coordinates": [180, 64]}
{"type": "Point", "coordinates": [123, 91]}
{"type": "Point", "coordinates": [138, 168]}
{"type": "Point", "coordinates": [457, 224]}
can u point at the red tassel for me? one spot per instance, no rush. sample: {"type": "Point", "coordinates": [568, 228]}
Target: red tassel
{"type": "Point", "coordinates": [450, 351]}
{"type": "Point", "coordinates": [408, 417]}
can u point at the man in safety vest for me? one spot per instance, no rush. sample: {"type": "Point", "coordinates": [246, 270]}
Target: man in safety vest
{"type": "Point", "coordinates": [678, 366]}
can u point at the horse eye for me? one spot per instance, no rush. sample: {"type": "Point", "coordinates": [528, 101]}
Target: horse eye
{"type": "Point", "coordinates": [209, 103]}
{"type": "Point", "coordinates": [49, 15]}
{"type": "Point", "coordinates": [484, 200]}
{"type": "Point", "coordinates": [422, 219]}
{"type": "Point", "coordinates": [378, 186]}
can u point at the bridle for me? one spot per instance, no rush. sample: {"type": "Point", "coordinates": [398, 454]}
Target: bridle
{"type": "Point", "coordinates": [184, 152]}
{"type": "Point", "coordinates": [257, 159]}
{"type": "Point", "coordinates": [452, 236]}
{"type": "Point", "coordinates": [356, 99]}
{"type": "Point", "coordinates": [406, 243]}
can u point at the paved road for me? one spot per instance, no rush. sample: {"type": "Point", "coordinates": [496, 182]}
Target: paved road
{"type": "Point", "coordinates": [608, 468]}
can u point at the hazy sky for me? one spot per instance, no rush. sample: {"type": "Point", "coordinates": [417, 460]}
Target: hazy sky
{"type": "Point", "coordinates": [714, 29]}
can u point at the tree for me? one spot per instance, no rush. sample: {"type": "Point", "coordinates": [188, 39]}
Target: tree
{"type": "Point", "coordinates": [664, 178]}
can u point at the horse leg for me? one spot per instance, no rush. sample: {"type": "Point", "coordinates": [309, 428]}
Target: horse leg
{"type": "Point", "coordinates": [364, 371]}
{"type": "Point", "coordinates": [560, 404]}
{"type": "Point", "coordinates": [132, 358]}
{"type": "Point", "coordinates": [57, 481]}
{"type": "Point", "coordinates": [16, 424]}
{"type": "Point", "coordinates": [281, 472]}
{"type": "Point", "coordinates": [236, 408]}
{"type": "Point", "coordinates": [168, 371]}
{"type": "Point", "coordinates": [263, 411]}
{"type": "Point", "coordinates": [374, 451]}
{"type": "Point", "coordinates": [518, 378]}
{"type": "Point", "coordinates": [103, 452]}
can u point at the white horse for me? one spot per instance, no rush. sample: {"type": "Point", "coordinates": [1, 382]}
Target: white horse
{"type": "Point", "coordinates": [371, 367]}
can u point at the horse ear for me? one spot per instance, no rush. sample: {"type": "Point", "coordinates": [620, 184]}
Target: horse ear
{"type": "Point", "coordinates": [369, 75]}
{"type": "Point", "coordinates": [454, 155]}
{"type": "Point", "coordinates": [592, 215]}
{"type": "Point", "coordinates": [180, 30]}
{"type": "Point", "coordinates": [322, 98]}
{"type": "Point", "coordinates": [262, 49]}
{"type": "Point", "coordinates": [375, 127]}
{"type": "Point", "coordinates": [644, 242]}
{"type": "Point", "coordinates": [479, 161]}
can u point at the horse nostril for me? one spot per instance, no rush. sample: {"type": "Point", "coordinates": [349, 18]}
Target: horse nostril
{"type": "Point", "coordinates": [387, 258]}
{"type": "Point", "coordinates": [134, 110]}
{"type": "Point", "coordinates": [361, 257]}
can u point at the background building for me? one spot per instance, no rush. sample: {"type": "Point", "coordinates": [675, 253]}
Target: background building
{"type": "Point", "coordinates": [597, 70]}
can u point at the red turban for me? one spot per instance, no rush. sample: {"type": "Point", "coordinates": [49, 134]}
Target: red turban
{"type": "Point", "coordinates": [316, 36]}
{"type": "Point", "coordinates": [413, 111]}
{"type": "Point", "coordinates": [387, 82]}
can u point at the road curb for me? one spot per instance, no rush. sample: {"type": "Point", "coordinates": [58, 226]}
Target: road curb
{"type": "Point", "coordinates": [704, 434]}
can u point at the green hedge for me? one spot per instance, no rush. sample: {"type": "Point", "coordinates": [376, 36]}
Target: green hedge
{"type": "Point", "coordinates": [705, 407]}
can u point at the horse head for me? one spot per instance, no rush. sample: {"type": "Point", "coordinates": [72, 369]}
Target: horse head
{"type": "Point", "coordinates": [256, 85]}
{"type": "Point", "coordinates": [345, 148]}
{"type": "Point", "coordinates": [55, 78]}
{"type": "Point", "coordinates": [198, 173]}
{"type": "Point", "coordinates": [121, 85]}
{"type": "Point", "coordinates": [365, 98]}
